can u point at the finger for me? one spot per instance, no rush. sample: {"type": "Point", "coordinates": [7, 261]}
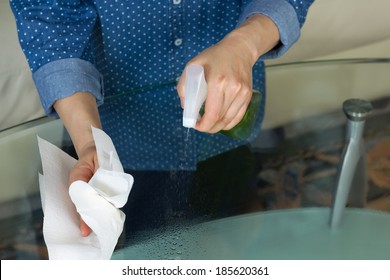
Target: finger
{"type": "Point", "coordinates": [181, 88]}
{"type": "Point", "coordinates": [83, 172]}
{"type": "Point", "coordinates": [237, 118]}
{"type": "Point", "coordinates": [84, 228]}
{"type": "Point", "coordinates": [214, 108]}
{"type": "Point", "coordinates": [230, 119]}
{"type": "Point", "coordinates": [237, 110]}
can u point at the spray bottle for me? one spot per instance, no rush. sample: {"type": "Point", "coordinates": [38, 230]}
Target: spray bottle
{"type": "Point", "coordinates": [196, 93]}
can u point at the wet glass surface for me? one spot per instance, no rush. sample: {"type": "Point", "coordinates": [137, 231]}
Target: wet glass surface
{"type": "Point", "coordinates": [291, 165]}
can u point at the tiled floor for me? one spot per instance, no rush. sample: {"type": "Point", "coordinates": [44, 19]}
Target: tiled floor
{"type": "Point", "coordinates": [298, 171]}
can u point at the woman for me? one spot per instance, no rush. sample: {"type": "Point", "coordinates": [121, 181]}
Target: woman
{"type": "Point", "coordinates": [133, 53]}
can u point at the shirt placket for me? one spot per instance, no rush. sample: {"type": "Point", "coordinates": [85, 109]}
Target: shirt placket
{"type": "Point", "coordinates": [185, 141]}
{"type": "Point", "coordinates": [177, 57]}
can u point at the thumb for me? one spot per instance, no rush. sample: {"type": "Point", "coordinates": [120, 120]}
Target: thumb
{"type": "Point", "coordinates": [83, 170]}
{"type": "Point", "coordinates": [85, 166]}
{"type": "Point", "coordinates": [181, 88]}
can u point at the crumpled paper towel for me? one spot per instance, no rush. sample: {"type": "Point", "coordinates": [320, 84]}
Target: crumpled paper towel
{"type": "Point", "coordinates": [97, 202]}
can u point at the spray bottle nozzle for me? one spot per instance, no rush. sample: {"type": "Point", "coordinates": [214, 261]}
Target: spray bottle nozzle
{"type": "Point", "coordinates": [195, 94]}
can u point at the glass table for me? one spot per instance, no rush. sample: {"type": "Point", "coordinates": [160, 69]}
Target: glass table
{"type": "Point", "coordinates": [267, 200]}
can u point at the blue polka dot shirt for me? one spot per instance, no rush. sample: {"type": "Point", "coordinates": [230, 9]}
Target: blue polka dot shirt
{"type": "Point", "coordinates": [129, 55]}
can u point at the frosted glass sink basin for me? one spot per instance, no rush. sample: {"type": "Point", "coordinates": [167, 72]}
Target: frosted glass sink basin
{"type": "Point", "coordinates": [279, 234]}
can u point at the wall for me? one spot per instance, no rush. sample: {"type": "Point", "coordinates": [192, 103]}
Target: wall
{"type": "Point", "coordinates": [19, 101]}
{"type": "Point", "coordinates": [334, 29]}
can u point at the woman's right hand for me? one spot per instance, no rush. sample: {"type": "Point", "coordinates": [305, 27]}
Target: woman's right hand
{"type": "Point", "coordinates": [84, 169]}
{"type": "Point", "coordinates": [79, 113]}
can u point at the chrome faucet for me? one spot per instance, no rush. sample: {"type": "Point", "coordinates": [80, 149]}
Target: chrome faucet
{"type": "Point", "coordinates": [351, 184]}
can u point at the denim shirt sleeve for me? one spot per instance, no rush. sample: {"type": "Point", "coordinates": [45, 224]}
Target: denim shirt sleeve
{"type": "Point", "coordinates": [55, 38]}
{"type": "Point", "coordinates": [288, 16]}
{"type": "Point", "coordinates": [62, 78]}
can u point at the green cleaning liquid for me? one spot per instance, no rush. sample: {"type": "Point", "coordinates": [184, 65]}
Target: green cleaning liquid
{"type": "Point", "coordinates": [245, 127]}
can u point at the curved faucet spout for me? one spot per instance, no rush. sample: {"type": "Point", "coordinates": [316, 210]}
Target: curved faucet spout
{"type": "Point", "coordinates": [351, 184]}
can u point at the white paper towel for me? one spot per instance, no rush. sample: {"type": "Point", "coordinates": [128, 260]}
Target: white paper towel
{"type": "Point", "coordinates": [97, 202]}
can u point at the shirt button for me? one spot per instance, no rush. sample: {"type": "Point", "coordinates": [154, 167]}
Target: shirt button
{"type": "Point", "coordinates": [178, 42]}
{"type": "Point", "coordinates": [176, 2]}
